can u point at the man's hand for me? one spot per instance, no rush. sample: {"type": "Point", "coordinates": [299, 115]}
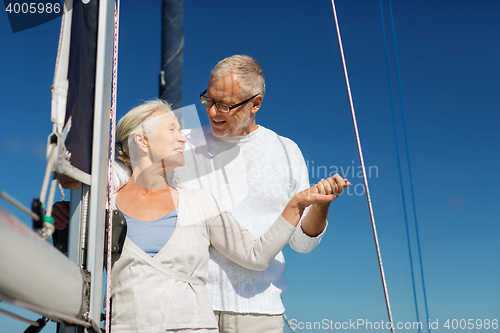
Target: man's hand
{"type": "Point", "coordinates": [60, 213]}
{"type": "Point", "coordinates": [68, 183]}
{"type": "Point", "coordinates": [324, 192]}
{"type": "Point", "coordinates": [320, 196]}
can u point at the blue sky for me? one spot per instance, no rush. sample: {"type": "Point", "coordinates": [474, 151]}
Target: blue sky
{"type": "Point", "coordinates": [448, 53]}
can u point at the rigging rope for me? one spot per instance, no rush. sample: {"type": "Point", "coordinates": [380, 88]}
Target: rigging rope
{"type": "Point", "coordinates": [14, 316]}
{"type": "Point", "coordinates": [54, 315]}
{"type": "Point", "coordinates": [407, 160]}
{"type": "Point", "coordinates": [363, 169]}
{"type": "Point", "coordinates": [110, 166]}
{"type": "Point", "coordinates": [17, 204]}
{"type": "Point", "coordinates": [288, 323]}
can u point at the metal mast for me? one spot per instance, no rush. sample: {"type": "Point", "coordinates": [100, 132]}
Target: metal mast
{"type": "Point", "coordinates": [172, 50]}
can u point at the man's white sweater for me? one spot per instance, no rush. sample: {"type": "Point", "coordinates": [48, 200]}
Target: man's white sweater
{"type": "Point", "coordinates": [254, 176]}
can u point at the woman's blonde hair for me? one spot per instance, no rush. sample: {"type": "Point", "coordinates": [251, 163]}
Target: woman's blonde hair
{"type": "Point", "coordinates": [135, 121]}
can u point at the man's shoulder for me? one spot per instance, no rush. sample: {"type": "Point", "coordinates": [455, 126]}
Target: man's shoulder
{"type": "Point", "coordinates": [203, 136]}
{"type": "Point", "coordinates": [280, 139]}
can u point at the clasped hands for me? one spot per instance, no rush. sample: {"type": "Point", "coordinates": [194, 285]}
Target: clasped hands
{"type": "Point", "coordinates": [324, 192]}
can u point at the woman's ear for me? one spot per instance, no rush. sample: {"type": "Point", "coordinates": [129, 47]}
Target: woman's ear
{"type": "Point", "coordinates": [141, 141]}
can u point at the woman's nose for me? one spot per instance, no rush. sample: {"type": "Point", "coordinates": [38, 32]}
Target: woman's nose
{"type": "Point", "coordinates": [182, 138]}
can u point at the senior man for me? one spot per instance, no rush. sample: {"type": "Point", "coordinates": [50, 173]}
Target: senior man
{"type": "Point", "coordinates": [254, 172]}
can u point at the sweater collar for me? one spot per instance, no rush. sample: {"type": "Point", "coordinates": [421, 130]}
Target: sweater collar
{"type": "Point", "coordinates": [243, 138]}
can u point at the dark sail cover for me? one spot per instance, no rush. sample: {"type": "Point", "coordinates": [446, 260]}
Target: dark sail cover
{"type": "Point", "coordinates": [81, 77]}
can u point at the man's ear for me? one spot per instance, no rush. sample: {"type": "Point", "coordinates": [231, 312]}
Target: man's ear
{"type": "Point", "coordinates": [257, 102]}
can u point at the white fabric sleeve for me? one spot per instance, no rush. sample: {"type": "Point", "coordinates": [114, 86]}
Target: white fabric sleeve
{"type": "Point", "coordinates": [121, 175]}
{"type": "Point", "coordinates": [303, 243]}
{"type": "Point", "coordinates": [238, 244]}
{"type": "Point", "coordinates": [300, 241]}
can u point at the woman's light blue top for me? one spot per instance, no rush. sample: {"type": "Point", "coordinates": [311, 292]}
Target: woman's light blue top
{"type": "Point", "coordinates": [152, 236]}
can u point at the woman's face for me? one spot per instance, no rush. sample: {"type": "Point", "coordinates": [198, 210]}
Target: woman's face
{"type": "Point", "coordinates": [167, 142]}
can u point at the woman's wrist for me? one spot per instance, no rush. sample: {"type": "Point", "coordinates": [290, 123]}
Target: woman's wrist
{"type": "Point", "coordinates": [294, 210]}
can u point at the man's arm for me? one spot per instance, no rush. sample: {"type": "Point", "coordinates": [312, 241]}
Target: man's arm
{"type": "Point", "coordinates": [313, 224]}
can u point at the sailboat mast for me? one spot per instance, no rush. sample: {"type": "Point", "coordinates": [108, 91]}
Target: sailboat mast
{"type": "Point", "coordinates": [172, 50]}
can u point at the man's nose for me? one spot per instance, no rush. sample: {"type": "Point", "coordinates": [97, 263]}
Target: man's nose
{"type": "Point", "coordinates": [213, 110]}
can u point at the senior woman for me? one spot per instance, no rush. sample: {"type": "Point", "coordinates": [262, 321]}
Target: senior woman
{"type": "Point", "coordinates": [158, 281]}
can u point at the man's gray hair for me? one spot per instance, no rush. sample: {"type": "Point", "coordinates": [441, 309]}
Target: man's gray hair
{"type": "Point", "coordinates": [248, 70]}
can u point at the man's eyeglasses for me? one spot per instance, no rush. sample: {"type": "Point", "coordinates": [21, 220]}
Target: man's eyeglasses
{"type": "Point", "coordinates": [221, 106]}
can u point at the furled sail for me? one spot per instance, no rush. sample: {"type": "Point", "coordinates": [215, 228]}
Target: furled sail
{"type": "Point", "coordinates": [74, 89]}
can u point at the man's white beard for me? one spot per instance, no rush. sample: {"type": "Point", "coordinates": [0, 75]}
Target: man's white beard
{"type": "Point", "coordinates": [245, 121]}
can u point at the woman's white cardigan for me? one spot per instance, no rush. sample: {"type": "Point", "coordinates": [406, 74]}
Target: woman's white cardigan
{"type": "Point", "coordinates": [167, 292]}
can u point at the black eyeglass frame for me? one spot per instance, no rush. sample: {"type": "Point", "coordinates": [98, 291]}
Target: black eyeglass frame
{"type": "Point", "coordinates": [217, 104]}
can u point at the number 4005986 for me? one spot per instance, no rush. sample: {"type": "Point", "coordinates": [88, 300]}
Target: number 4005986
{"type": "Point", "coordinates": [471, 324]}
{"type": "Point", "coordinates": [33, 8]}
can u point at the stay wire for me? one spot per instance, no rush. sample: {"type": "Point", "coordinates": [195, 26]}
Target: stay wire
{"type": "Point", "coordinates": [107, 323]}
{"type": "Point", "coordinates": [403, 199]}
{"type": "Point", "coordinates": [363, 169]}
{"type": "Point", "coordinates": [412, 192]}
